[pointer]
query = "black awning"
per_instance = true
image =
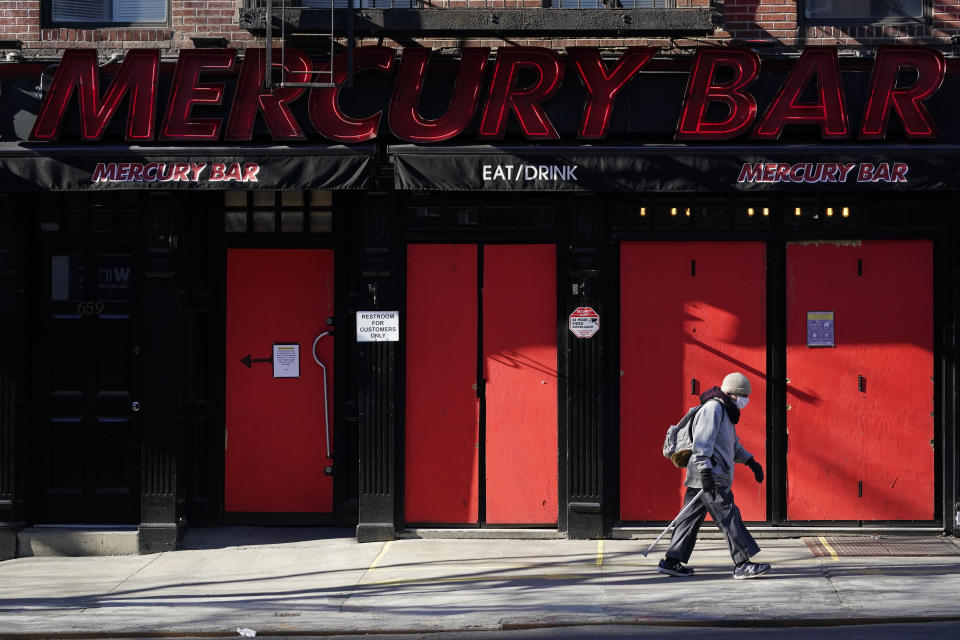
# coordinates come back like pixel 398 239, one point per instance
pixel 675 168
pixel 33 167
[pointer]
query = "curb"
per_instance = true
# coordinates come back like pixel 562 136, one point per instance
pixel 727 623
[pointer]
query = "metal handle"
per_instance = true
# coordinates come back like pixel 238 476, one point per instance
pixel 326 405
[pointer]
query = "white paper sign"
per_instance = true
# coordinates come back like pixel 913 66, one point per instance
pixel 378 326
pixel 286 361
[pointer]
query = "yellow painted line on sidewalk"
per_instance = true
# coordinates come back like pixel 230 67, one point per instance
pixel 826 545
pixel 599 553
pixel 383 552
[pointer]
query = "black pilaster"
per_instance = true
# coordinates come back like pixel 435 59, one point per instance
pixel 950 268
pixel 582 376
pixel 346 480
pixel 375 288
pixel 200 268
pixel 776 462
pixel 377 435
pixel 159 381
pixel 11 499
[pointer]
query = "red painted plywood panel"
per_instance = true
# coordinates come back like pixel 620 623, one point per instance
pixel 276 438
pixel 881 293
pixel 520 366
pixel 689 311
pixel 442 427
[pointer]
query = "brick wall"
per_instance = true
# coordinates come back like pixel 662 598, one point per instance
pixel 774 22
pixel 21 19
pixel 778 20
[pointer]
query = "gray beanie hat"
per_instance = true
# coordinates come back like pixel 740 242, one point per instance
pixel 737 384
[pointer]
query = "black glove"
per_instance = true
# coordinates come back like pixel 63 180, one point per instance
pixel 706 479
pixel 756 468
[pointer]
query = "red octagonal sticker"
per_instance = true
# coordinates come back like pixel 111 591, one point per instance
pixel 584 322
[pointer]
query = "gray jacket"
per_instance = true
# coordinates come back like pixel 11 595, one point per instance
pixel 715 446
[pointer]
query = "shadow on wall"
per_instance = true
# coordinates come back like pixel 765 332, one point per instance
pixel 516 360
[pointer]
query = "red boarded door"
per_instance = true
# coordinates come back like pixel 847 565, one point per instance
pixel 276 440
pixel 481 448
pixel 520 367
pixel 442 409
pixel 859 416
pixel 691 312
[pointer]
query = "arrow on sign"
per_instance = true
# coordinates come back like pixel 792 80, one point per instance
pixel 249 360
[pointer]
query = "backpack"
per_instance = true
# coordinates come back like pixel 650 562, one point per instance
pixel 678 445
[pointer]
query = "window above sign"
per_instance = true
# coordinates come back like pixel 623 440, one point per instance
pixel 278 211
pixel 107 12
pixel 865 11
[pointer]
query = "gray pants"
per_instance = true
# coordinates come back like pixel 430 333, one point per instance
pixel 727 516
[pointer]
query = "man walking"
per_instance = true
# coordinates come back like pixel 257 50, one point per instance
pixel 715 449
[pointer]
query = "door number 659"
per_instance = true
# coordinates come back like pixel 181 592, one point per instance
pixel 90 308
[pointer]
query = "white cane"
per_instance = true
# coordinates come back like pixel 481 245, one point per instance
pixel 679 515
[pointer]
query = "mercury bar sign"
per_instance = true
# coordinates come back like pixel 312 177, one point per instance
pixel 518 82
pixel 818 172
pixel 175 172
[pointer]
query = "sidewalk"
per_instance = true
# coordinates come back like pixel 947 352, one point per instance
pixel 311 580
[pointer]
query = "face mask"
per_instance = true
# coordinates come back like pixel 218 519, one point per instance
pixel 741 402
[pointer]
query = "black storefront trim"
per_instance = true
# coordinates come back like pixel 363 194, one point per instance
pixel 40 167
pixel 674 168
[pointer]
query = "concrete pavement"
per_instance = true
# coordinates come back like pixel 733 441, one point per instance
pixel 283 581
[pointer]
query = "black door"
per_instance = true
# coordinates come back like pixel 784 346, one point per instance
pixel 88 436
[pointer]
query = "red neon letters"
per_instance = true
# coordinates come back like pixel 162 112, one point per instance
pixel 525 102
pixel 325 113
pixel 405 120
pixel 908 102
pixel 829 110
pixel 718 104
pixel 702 91
pixel 78 68
pixel 602 87
pixel 251 96
pixel 188 91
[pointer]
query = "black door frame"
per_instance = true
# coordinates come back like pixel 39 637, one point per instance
pixel 482 522
pixel 50 240
pixel 479 234
pixel 343 418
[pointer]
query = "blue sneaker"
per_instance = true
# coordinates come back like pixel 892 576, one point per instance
pixel 750 570
pixel 671 567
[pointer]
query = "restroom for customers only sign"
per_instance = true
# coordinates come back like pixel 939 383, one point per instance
pixel 378 326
